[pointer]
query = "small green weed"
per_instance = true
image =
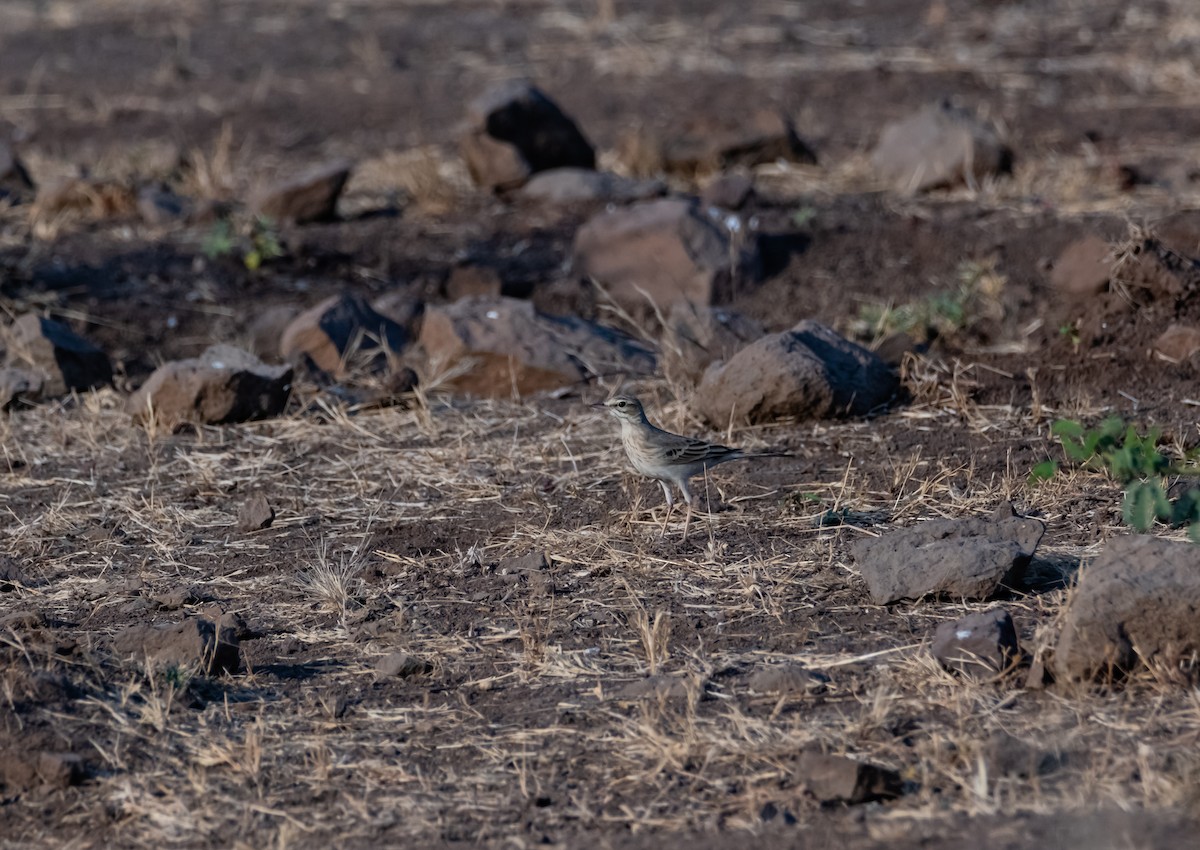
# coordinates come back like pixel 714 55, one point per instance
pixel 1134 461
pixel 942 313
pixel 258 245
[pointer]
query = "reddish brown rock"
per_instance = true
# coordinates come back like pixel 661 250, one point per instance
pixel 1178 343
pixel 513 348
pixel 222 385
pixel 310 197
pixel 738 141
pixel 696 336
pixel 662 252
pixel 515 130
pixel 194 643
pixel 938 146
pixel 1084 267
pixel 255 513
pixel 341 333
pixel 63 360
pixel 809 372
pixel 1134 604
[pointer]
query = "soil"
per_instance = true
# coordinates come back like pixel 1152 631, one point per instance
pixel 394 526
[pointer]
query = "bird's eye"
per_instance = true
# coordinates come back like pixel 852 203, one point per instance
pixel 620 404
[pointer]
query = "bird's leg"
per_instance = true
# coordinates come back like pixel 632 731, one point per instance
pixel 687 497
pixel 670 505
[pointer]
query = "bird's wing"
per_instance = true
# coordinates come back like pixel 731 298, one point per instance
pixel 689 450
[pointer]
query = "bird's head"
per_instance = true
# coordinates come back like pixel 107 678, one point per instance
pixel 623 407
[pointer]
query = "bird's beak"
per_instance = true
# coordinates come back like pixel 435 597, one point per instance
pixel 598 406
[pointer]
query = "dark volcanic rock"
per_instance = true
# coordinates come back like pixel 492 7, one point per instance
pixel 255 513
pixel 696 336
pixel 741 141
pixel 980 644
pixel 336 334
pixel 193 643
pixel 577 185
pixel 839 779
pixel 64 360
pixel 940 145
pixel 309 197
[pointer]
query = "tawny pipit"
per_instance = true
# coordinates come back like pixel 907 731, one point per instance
pixel 668 458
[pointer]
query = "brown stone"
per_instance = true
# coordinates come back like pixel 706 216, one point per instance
pixel 662 252
pixel 401 665
pixel 310 197
pixel 255 513
pixel 339 332
pixel 471 280
pixel 64 360
pixel 839 779
pixel 808 372
pixel 696 336
pixel 1136 603
pixel 581 185
pixel 730 190
pixel 15 183
pixel 792 679
pixel 194 643
pixel 515 130
pixel 939 146
pixel 1083 268
pixel 981 644
pixel 511 347
pixel 267 326
pixel 736 141
pixel 222 385
pixel 18 387
pixel 1178 343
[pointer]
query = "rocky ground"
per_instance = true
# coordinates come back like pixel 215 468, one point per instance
pixel 311 538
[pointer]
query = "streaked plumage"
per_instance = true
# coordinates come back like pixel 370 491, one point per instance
pixel 668 458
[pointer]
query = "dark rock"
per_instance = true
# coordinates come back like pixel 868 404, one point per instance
pixel 1136 603
pixel 578 185
pixel 981 644
pixel 222 385
pixel 514 348
pixel 729 191
pixel 266 329
pixel 15 184
pixel 24 770
pixel 1083 268
pixel 838 779
pixel 401 665
pixel 65 361
pixel 788 679
pixel 180 597
pixel 515 130
pixel 940 145
pixel 159 207
pixel 958 558
pixel 1178 343
pixel 255 513
pixel 341 332
pixel 193 643
pixel 696 336
pixel 660 687
pixel 19 387
pixel 11 575
pixel 469 281
pixel 808 372
pixel 310 197
pixel 662 252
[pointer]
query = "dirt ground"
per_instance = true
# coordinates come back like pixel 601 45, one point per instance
pixel 525 716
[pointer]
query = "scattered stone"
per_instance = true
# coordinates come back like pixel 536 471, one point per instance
pixel 969 558
pixel 578 185
pixel 222 385
pixel 981 644
pixel 1083 268
pixel 839 779
pixel 697 335
pixel 310 197
pixel 1136 603
pixel 1178 343
pixel 532 562
pixel 745 141
pixel 788 679
pixel 401 665
pixel 514 131
pixel 809 372
pixel 15 184
pixel 939 146
pixel 514 348
pixel 468 281
pixel 229 620
pixel 159 206
pixel 193 643
pixel 180 597
pixel 266 329
pixel 403 308
pixel 1006 755
pixel 729 191
pixel 660 687
pixel 893 347
pixel 255 514
pixel 339 333
pixel 79 196
pixel 23 770
pixel 65 361
pixel 663 251
pixel 12 576
pixel 19 387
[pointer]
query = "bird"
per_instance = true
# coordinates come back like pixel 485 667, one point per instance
pixel 667 458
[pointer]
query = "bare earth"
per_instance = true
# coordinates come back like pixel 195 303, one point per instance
pixel 524 717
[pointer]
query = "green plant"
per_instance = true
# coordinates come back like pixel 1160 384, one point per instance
pixel 1134 461
pixel 260 244
pixel 941 313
